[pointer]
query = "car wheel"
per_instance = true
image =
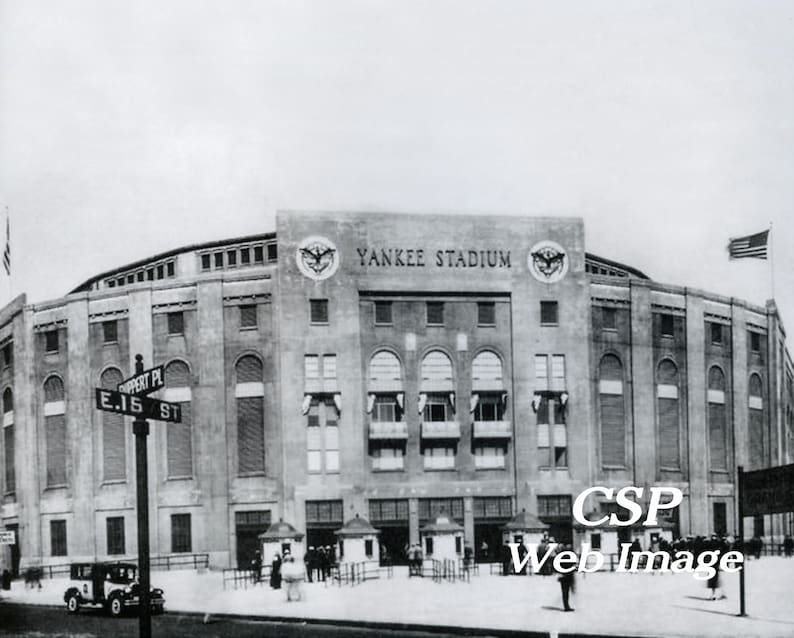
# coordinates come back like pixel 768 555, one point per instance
pixel 115 606
pixel 73 604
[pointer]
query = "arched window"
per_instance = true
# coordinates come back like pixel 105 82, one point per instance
pixel 436 371
pixel 486 371
pixel 114 439
pixel 612 412
pixel 385 371
pixel 718 435
pixel 667 411
pixel 249 395
pixel 385 403
pixel 55 431
pixel 8 441
pixel 179 440
pixel 755 422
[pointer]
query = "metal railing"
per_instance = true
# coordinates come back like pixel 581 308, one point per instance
pixel 360 572
pixel 450 570
pixel 158 563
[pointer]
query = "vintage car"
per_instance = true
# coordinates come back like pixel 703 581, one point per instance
pixel 113 586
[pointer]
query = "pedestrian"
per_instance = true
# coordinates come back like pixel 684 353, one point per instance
pixel 567 584
pixel 308 561
pixel 788 545
pixel 293 575
pixel 275 572
pixel 714 582
pixel 256 567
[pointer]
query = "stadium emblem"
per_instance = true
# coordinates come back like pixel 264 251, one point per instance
pixel 547 262
pixel 317 258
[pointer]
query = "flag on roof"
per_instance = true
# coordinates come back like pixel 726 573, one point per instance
pixel 7 251
pixel 749 246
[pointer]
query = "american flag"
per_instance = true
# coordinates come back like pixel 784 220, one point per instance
pixel 7 251
pixel 749 246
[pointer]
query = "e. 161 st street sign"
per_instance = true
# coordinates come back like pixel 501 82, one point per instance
pixel 138 406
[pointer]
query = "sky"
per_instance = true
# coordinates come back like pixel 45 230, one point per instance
pixel 131 128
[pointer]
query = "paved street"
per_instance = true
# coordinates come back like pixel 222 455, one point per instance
pixel 30 621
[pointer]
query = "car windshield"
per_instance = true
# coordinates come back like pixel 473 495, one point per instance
pixel 120 574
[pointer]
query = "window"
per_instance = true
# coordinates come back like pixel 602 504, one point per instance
pixel 139 276
pixel 218 260
pixel 322 437
pixel 558 368
pixel 386 457
pixel 542 371
pixel 755 341
pixel 432 508
pixel 489 408
pixel 55 432
pixel 486 313
pixel 170 268
pixel 554 506
pixel 435 313
pixel 755 423
pixel 245 256
pixel 176 323
pixel 8 355
pixel 272 252
pixel 248 317
pixel 489 457
pixel 231 258
pixel 492 507
pixel 720 518
pixel 439 457
pixel 150 271
pixel 612 412
pixel 548 313
pixel 717 420
pixel 51 341
pixel 259 255
pixel 383 313
pixel 114 439
pixel 249 393
pixel 311 366
pixel 667 414
pixel 329 366
pixel 180 534
pixel 388 509
pixel 8 441
pixel 318 310
pixel 552 433
pixel 324 512
pixel 428 545
pixel 179 439
pixel 716 333
pixel 130 279
pixel 110 332
pixel 609 318
pixel 385 409
pixel 58 538
pixel 436 408
pixel 667 325
pixel 160 273
pixel 114 528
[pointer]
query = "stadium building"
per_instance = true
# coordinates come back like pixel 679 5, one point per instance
pixel 391 366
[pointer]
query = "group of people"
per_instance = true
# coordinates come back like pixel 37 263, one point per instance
pixel 318 562
pixel 416 558
pixel 290 572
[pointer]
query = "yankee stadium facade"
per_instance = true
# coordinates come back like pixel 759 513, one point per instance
pixel 390 366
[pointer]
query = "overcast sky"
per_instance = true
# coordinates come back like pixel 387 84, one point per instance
pixel 129 128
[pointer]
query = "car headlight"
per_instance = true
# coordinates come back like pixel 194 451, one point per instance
pixel 128 590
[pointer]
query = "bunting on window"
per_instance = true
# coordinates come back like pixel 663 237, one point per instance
pixel 536 401
pixel 452 401
pixel 475 399
pixel 401 400
pixel 504 399
pixel 307 403
pixel 370 403
pixel 563 402
pixel 338 402
pixel 422 402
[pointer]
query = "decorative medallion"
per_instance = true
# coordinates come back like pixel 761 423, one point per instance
pixel 317 258
pixel 547 261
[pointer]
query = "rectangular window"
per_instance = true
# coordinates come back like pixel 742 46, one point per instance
pixel 322 438
pixel 8 355
pixel 318 310
pixel 383 313
pixel 436 408
pixel 329 366
pixel 492 507
pixel 558 367
pixel 385 409
pixel 388 457
pixel 431 508
pixel 548 313
pixel 114 526
pixel 435 313
pixel 181 540
pixel 169 267
pixel 231 258
pixel 51 341
pixel 179 444
pixel 130 279
pixel 120 281
pixel 755 342
pixel 8 440
pixel 311 366
pixel 720 518
pixel 110 332
pixel 139 276
pixel 58 538
pixel 542 370
pixel 609 318
pixel 554 506
pixel 388 509
pixel 150 271
pixel 486 313
pixel 667 325
pixel 489 408
pixel 160 273
pixel 248 318
pixel 245 256
pixel 331 443
pixel 55 435
pixel 489 457
pixel 250 435
pixel 259 255
pixel 272 252
pixel 176 323
pixel 439 458
pixel 324 511
pixel 716 333
pixel 218 260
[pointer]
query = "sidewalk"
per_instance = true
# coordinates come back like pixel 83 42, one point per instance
pixel 605 603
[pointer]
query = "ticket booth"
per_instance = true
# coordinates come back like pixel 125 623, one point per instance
pixel 442 539
pixel 281 538
pixel 357 541
pixel 524 528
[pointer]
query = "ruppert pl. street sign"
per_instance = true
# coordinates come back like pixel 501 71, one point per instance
pixel 140 407
pixel 146 382
pixel 7 537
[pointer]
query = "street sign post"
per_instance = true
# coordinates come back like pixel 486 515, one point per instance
pixel 146 382
pixel 7 537
pixel 129 399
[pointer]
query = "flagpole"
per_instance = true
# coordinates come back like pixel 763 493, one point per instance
pixel 772 259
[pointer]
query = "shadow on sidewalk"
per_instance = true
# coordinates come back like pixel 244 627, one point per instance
pixel 731 613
